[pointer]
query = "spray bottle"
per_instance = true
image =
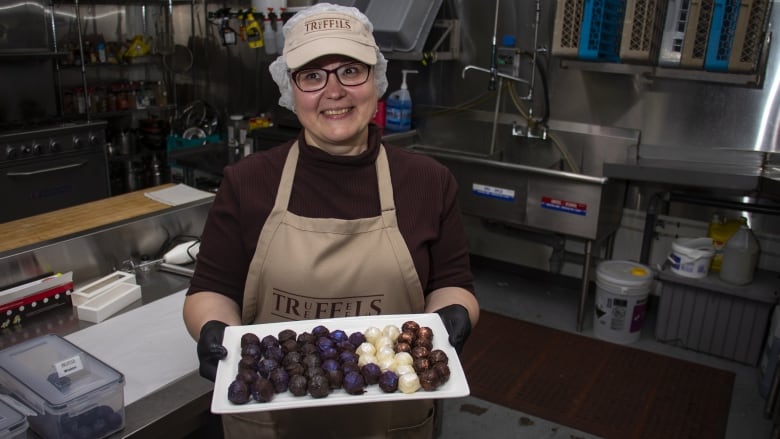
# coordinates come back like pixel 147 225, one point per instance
pixel 268 33
pixel 399 107
pixel 280 32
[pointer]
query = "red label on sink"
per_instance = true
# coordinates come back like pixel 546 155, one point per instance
pixel 565 206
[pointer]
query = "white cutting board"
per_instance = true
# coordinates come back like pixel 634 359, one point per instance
pixel 149 345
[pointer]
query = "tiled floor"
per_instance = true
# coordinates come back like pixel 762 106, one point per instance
pixel 551 304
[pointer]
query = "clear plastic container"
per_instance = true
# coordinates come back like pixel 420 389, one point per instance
pixel 12 423
pixel 74 393
pixel 740 257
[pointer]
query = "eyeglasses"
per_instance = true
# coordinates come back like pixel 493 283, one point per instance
pixel 348 75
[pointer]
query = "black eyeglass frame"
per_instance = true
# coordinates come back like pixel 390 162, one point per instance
pixel 328 72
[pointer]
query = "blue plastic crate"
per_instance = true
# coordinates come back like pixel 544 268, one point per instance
pixel 602 26
pixel 721 37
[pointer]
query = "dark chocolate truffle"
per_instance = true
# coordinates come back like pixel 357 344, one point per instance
pixel 319 387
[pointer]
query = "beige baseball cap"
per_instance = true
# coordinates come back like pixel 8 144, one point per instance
pixel 329 33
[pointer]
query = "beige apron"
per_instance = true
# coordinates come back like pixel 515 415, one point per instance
pixel 313 268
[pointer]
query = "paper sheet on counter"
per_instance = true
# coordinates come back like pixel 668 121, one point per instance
pixel 149 345
pixel 179 194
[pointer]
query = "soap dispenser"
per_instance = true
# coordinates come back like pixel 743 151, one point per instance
pixel 398 116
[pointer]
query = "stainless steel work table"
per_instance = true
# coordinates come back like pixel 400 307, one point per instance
pixel 175 410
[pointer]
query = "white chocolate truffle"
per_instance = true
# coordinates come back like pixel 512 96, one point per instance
pixel 386 364
pixel 403 369
pixel 384 341
pixel 385 352
pixel 404 358
pixel 408 383
pixel 372 334
pixel 366 359
pixel 365 348
pixel 391 331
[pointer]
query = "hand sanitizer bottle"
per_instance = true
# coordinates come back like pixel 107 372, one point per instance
pixel 398 116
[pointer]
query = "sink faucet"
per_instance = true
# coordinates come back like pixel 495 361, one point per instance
pixel 493 73
pixel 534 130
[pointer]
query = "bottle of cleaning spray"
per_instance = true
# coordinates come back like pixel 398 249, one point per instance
pixel 269 35
pixel 280 32
pixel 398 115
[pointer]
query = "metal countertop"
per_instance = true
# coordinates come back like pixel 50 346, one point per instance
pixel 175 410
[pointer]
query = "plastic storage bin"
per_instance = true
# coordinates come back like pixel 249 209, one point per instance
pixel 74 393
pixel 724 23
pixel 602 26
pixel 697 29
pixel 711 316
pixel 643 28
pixel 749 36
pixel 12 423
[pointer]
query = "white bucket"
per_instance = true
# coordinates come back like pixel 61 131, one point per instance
pixel 691 257
pixel 622 288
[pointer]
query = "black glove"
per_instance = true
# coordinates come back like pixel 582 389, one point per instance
pixel 456 321
pixel 210 349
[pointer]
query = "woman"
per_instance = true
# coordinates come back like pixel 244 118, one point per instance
pixel 333 224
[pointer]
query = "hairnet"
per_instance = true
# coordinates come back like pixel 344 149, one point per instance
pixel 280 71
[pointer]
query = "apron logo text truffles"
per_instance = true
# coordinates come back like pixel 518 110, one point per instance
pixel 296 307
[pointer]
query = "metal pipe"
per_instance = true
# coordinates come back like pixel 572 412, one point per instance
pixel 530 96
pixel 494 53
pixel 496 110
pixel 584 285
pixel 648 233
pixel 83 60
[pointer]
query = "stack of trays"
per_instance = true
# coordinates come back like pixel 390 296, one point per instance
pixel 712 35
pixel 589 30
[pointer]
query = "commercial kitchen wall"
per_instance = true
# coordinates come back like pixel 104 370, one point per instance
pixel 676 117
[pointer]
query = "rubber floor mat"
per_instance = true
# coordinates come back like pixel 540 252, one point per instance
pixel 601 388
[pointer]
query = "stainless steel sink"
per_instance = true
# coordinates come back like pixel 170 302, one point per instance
pixel 554 185
pixel 529 182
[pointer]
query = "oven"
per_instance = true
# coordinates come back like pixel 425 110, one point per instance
pixel 45 168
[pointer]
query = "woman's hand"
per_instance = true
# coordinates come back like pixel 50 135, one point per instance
pixel 210 349
pixel 459 310
pixel 456 321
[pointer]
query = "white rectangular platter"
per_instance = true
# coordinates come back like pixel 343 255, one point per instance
pixel 455 387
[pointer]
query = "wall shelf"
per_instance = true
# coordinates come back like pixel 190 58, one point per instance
pixel 21 55
pixel 651 72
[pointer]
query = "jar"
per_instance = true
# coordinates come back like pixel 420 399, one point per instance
pixel 740 257
pixel 122 101
pixel 81 100
pixel 68 103
pixel 234 129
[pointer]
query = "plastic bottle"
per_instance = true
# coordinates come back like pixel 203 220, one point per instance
pixel 279 37
pixel 508 57
pixel 234 129
pixel 740 257
pixel 720 231
pixel 398 115
pixel 269 35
